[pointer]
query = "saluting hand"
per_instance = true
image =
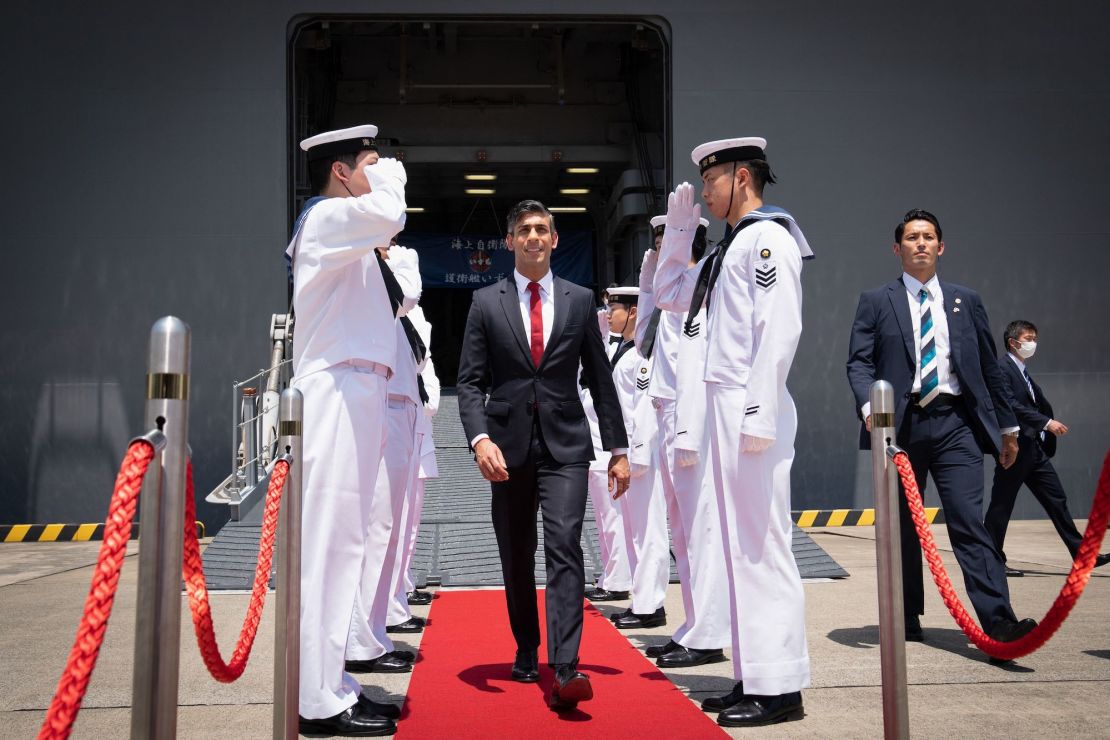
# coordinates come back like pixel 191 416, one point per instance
pixel 490 461
pixel 619 475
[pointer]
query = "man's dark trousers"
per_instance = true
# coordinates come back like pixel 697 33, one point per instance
pixel 1034 469
pixel 939 441
pixel 559 490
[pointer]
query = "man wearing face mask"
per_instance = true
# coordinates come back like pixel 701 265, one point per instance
pixel 1036 446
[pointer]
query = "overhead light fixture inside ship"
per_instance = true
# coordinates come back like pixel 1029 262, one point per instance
pixel 574 191
pixel 567 209
pixel 414 209
pixel 480 191
pixel 480 177
pixel 582 170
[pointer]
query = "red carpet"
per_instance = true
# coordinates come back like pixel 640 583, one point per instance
pixel 461 687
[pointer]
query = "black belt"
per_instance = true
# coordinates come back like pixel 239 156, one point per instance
pixel 941 400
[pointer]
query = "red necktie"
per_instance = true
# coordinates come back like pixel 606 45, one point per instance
pixel 536 310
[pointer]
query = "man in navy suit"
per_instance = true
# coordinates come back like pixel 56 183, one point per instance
pixel 1036 446
pixel 525 339
pixel 931 340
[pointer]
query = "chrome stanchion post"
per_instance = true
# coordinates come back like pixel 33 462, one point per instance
pixel 892 626
pixel 287 616
pixel 161 533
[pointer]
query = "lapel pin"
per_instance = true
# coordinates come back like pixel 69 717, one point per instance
pixel 956 310
pixel 957 300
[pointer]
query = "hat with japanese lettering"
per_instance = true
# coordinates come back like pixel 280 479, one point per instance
pixel 626 294
pixel 341 141
pixel 728 150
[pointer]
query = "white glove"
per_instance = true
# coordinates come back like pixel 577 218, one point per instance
pixel 685 458
pixel 683 214
pixel 638 469
pixel 603 324
pixel 647 270
pixel 749 443
pixel 384 170
pixel 406 255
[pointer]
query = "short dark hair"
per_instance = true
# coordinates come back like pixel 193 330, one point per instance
pixel 917 214
pixel 761 173
pixel 319 171
pixel 1015 329
pixel 528 206
pixel 697 250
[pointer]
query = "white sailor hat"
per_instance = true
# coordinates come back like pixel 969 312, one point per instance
pixel 659 222
pixel 728 150
pixel 341 141
pixel 623 294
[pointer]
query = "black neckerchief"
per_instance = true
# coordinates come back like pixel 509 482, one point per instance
pixel 710 271
pixel 648 343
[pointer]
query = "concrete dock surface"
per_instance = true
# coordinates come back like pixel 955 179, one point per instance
pixel 1059 691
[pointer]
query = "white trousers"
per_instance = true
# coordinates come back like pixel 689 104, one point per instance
pixel 411 512
pixel 644 514
pixel 696 538
pixel 616 575
pixel 769 651
pixel 344 419
pixel 367 638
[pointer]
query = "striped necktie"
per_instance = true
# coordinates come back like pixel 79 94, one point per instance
pixel 930 382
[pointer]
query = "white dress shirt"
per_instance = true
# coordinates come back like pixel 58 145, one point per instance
pixel 946 379
pixel 1028 383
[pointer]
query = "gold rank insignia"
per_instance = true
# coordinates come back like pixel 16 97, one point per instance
pixel 643 369
pixel 765 253
pixel 366 142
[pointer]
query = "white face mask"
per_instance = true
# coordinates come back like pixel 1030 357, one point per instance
pixel 1026 349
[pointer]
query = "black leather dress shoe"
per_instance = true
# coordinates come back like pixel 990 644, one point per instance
pixel 754 711
pixel 914 633
pixel 351 722
pixel 389 711
pixel 1007 630
pixel 526 667
pixel 601 594
pixel 388 663
pixel 617 615
pixel 419 598
pixel 642 621
pixel 412 624
pixel 721 703
pixel 570 687
pixel 1014 572
pixel 406 655
pixel 658 651
pixel 685 657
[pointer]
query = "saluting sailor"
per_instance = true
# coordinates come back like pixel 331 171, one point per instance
pixel 677 397
pixel 369 648
pixel 752 285
pixel 643 510
pixel 342 360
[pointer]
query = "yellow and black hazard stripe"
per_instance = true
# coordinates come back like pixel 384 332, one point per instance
pixel 64 532
pixel 851 517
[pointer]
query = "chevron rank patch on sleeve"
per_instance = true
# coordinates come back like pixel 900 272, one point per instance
pixel 691 330
pixel 765 274
pixel 643 380
pixel 751 411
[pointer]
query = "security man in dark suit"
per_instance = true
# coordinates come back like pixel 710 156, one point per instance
pixel 1036 447
pixel 931 340
pixel 525 339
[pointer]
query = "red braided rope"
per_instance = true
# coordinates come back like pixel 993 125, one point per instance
pixel 1061 607
pixel 193 572
pixel 102 592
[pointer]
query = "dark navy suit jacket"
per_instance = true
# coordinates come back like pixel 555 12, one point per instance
pixel 1032 415
pixel 496 359
pixel 882 348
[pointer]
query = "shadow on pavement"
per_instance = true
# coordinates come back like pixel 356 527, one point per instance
pixel 950 640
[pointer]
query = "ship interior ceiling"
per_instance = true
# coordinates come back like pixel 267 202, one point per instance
pixel 485 114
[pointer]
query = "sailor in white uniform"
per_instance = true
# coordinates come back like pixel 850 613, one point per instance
pixel 752 285
pixel 615 580
pixel 342 357
pixel 369 647
pixel 677 396
pixel 404 587
pixel 643 510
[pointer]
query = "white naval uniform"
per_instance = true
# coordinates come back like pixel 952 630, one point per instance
pixel 643 509
pixel 754 325
pixel 342 354
pixel 411 512
pixel 677 395
pixel 368 638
